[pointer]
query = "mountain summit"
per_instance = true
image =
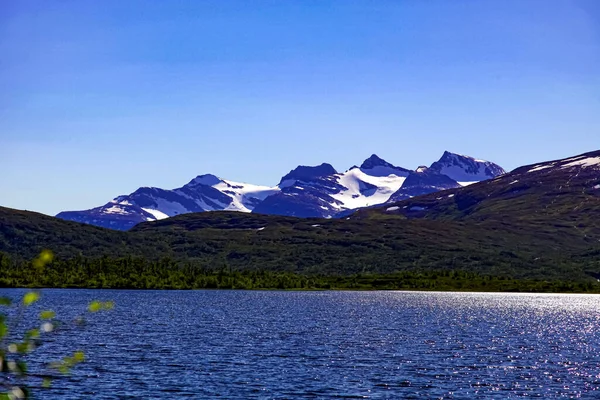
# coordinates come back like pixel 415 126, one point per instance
pixel 450 171
pixel 306 173
pixel 465 169
pixel 306 191
pixel 376 166
pixel 376 161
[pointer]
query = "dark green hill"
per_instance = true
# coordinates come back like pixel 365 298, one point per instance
pixel 25 234
pixel 539 224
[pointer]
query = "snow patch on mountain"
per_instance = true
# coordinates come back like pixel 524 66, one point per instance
pixel 244 196
pixel 540 167
pixel 172 208
pixel 235 196
pixel 584 162
pixel 156 214
pixel 367 187
pixel 115 209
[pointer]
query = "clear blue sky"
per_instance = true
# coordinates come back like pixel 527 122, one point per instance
pixel 98 98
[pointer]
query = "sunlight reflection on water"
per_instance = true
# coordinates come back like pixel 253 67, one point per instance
pixel 260 344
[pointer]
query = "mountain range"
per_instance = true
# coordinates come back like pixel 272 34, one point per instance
pixel 306 191
pixel 538 221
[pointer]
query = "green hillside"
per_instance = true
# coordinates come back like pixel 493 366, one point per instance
pixel 541 224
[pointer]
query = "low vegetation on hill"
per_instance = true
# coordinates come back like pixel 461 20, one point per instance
pixel 536 223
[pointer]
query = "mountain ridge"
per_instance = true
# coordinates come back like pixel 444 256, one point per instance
pixel 306 191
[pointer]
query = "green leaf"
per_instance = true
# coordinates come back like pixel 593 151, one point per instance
pixel 32 334
pixel 79 356
pixel 95 306
pixel 25 347
pixel 3 329
pixel 31 298
pixel 5 301
pixel 48 314
pixel 68 362
pixel 46 383
pixel 44 258
pixel 22 366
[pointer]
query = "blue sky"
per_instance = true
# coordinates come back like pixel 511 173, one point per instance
pixel 98 98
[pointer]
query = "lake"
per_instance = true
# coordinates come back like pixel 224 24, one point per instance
pixel 281 345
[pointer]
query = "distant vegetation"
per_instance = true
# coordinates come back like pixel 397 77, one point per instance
pixel 374 243
pixel 138 273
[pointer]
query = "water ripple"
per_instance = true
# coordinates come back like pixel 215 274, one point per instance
pixel 342 345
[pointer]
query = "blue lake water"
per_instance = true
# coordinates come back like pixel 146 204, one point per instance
pixel 281 345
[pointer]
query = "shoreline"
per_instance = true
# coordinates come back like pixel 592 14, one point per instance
pixel 301 290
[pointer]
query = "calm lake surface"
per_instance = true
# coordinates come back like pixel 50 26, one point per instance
pixel 255 344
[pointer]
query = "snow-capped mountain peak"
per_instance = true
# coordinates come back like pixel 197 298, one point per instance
pixel 320 191
pixel 306 191
pixel 450 171
pixel 464 169
pixel 206 179
pixel 376 166
pixel 203 193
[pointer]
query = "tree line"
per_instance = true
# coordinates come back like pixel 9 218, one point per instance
pixel 142 273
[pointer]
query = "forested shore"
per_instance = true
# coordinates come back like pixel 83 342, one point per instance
pixel 140 273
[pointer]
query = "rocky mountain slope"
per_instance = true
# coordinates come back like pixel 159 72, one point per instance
pixel 306 191
pixel 558 201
